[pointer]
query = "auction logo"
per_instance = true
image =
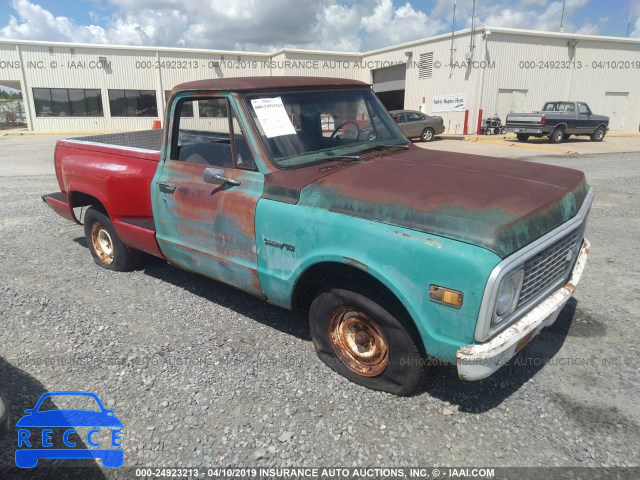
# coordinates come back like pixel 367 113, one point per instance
pixel 39 430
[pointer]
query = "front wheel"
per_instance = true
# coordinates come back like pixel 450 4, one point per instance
pixel 427 135
pixel 598 135
pixel 367 341
pixel 106 248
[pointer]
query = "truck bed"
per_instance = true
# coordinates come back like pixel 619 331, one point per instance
pixel 150 140
pixel 115 171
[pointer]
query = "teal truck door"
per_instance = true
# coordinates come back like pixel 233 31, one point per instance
pixel 205 193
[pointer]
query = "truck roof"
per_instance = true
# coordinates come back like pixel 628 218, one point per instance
pixel 242 84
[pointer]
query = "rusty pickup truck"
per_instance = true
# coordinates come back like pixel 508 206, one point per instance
pixel 399 254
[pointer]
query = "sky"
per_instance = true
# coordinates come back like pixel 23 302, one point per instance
pixel 266 25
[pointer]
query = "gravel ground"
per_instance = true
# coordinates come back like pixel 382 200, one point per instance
pixel 202 374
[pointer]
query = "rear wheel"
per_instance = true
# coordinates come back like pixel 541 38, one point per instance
pixel 427 135
pixel 522 137
pixel 370 342
pixel 557 136
pixel 598 135
pixel 107 249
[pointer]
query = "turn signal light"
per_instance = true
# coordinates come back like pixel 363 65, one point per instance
pixel 445 295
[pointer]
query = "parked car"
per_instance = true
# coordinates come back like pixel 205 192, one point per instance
pixel 559 120
pixel 397 253
pixel 417 124
pixel 4 417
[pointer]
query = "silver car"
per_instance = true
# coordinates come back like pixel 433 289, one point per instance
pixel 417 124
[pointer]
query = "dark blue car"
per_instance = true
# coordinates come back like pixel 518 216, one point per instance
pixel 28 453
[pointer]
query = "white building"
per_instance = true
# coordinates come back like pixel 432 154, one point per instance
pixel 461 76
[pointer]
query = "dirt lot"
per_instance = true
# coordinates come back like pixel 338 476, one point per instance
pixel 203 375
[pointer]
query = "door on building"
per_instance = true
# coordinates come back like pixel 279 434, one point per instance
pixel 615 107
pixel 389 86
pixel 509 101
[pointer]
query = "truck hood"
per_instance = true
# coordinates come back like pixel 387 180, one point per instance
pixel 498 204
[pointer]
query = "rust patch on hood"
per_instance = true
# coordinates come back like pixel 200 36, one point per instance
pixel 499 204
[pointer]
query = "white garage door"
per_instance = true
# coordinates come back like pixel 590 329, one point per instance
pixel 615 107
pixel 510 101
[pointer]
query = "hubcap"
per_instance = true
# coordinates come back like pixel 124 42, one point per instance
pixel 427 135
pixel 358 341
pixel 102 244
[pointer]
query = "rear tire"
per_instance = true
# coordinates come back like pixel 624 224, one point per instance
pixel 598 135
pixel 557 136
pixel 106 248
pixel 427 135
pixel 522 137
pixel 370 342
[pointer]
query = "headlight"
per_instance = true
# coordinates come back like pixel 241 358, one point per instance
pixel 508 295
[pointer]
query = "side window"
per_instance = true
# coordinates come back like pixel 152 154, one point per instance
pixel 413 117
pixel 210 137
pixel 187 107
pixel 584 109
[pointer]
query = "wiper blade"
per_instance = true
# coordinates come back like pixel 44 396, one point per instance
pixel 346 158
pixel 403 146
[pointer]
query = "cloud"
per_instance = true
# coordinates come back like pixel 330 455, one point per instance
pixel 636 29
pixel 35 23
pixel 388 25
pixel 344 25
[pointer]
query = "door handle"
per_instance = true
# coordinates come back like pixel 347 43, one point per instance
pixel 227 180
pixel 216 176
pixel 167 187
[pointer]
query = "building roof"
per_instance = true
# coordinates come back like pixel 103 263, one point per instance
pixel 240 84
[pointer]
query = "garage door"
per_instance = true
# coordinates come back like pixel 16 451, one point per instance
pixel 389 85
pixel 509 101
pixel 615 107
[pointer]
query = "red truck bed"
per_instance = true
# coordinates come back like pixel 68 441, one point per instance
pixel 126 163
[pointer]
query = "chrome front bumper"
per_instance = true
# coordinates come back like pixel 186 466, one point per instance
pixel 478 361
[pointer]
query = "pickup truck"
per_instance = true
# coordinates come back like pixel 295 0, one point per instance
pixel 399 255
pixel 559 120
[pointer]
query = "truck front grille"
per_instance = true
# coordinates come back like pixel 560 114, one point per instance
pixel 549 267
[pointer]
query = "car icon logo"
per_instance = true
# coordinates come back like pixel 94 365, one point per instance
pixel 100 428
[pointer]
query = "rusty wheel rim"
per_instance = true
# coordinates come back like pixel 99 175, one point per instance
pixel 102 243
pixel 358 341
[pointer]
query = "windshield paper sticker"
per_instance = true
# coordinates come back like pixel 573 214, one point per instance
pixel 273 117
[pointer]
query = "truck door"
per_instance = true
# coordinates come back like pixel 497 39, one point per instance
pixel 205 193
pixel 585 123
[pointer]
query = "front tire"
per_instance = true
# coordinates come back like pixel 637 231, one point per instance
pixel 106 248
pixel 598 135
pixel 427 135
pixel 370 342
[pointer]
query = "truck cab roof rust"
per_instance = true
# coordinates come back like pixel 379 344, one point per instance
pixel 247 84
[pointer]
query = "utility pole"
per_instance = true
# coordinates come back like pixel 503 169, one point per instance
pixel 562 16
pixel 453 29
pixel 629 22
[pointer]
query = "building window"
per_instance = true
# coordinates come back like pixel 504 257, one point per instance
pixel 187 107
pixel 425 65
pixel 133 103
pixel 67 102
pixel 212 108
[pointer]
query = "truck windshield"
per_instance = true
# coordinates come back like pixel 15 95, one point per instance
pixel 305 127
